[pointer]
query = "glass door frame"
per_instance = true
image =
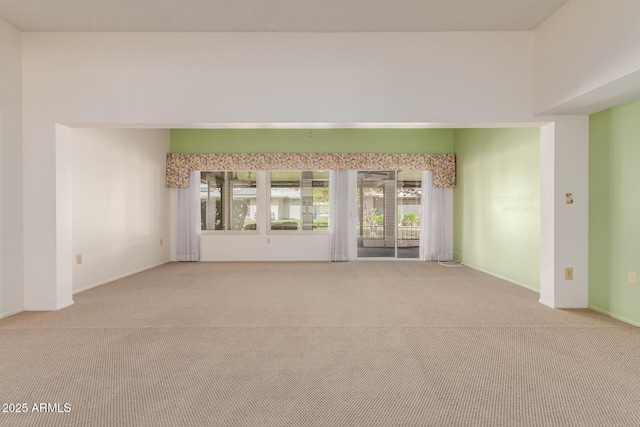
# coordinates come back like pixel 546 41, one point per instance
pixel 389 220
pixel 361 214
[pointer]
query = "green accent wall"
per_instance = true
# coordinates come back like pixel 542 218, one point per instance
pixel 497 202
pixel 311 141
pixel 614 211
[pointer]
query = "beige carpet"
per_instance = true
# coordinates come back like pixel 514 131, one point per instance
pixel 318 344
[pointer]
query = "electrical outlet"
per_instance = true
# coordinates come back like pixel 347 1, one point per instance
pixel 568 273
pixel 632 278
pixel 268 239
pixel 78 259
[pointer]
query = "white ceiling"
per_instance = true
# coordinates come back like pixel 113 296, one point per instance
pixel 277 15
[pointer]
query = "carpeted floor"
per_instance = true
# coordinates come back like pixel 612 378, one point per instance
pixel 317 344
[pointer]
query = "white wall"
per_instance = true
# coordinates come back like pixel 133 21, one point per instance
pixel 266 247
pixel 168 79
pixel 564 228
pixel 196 79
pixel 120 203
pixel 587 57
pixel 192 78
pixel 11 255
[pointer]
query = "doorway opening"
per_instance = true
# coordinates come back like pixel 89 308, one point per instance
pixel 388 219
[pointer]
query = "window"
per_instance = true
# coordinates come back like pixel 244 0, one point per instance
pixel 299 200
pixel 228 200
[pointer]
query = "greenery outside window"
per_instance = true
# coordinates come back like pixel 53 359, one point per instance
pixel 228 200
pixel 299 200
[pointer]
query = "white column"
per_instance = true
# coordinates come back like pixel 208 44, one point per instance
pixel 564 227
pixel 48 224
pixel 263 219
pixel 11 169
pixel 64 220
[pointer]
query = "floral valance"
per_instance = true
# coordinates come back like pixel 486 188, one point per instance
pixel 179 165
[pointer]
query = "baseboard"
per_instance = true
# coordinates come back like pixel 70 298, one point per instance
pixel 615 316
pixel 524 285
pixel 11 312
pixel 50 308
pixel 545 302
pixel 65 305
pixel 121 276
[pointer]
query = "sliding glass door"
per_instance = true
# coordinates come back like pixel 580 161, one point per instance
pixel 388 221
pixel 409 197
pixel 376 212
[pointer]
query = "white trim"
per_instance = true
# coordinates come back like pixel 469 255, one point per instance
pixel 11 312
pixel 121 276
pixel 45 308
pixel 560 307
pixel 515 282
pixel 65 305
pixel 297 232
pixel 311 125
pixel 545 302
pixel 229 232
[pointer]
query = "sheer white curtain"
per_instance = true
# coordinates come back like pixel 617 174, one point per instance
pixel 436 221
pixel 188 237
pixel 342 186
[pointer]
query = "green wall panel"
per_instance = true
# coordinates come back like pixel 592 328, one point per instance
pixel 614 206
pixel 312 141
pixel 497 202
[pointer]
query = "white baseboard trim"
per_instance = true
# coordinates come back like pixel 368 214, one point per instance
pixel 11 312
pixel 65 305
pixel 524 285
pixel 615 316
pixel 545 302
pixel 121 276
pixel 50 308
pixel 568 307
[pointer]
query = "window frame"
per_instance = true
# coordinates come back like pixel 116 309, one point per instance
pixel 268 204
pixel 227 203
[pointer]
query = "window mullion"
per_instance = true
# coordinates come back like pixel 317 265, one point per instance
pixel 227 200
